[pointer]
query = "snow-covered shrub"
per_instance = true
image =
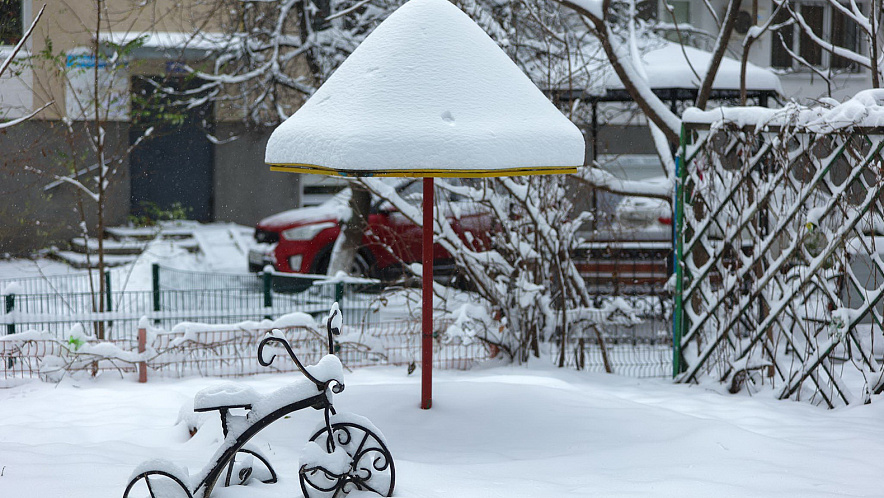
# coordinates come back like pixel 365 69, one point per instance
pixel 523 275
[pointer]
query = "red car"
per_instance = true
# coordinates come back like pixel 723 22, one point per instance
pixel 301 240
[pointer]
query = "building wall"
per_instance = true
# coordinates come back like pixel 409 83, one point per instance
pixel 245 189
pixel 34 216
pixel 16 96
pixel 37 210
pixel 72 24
pixel 619 139
pixel 801 84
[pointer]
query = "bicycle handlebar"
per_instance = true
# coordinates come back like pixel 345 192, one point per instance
pixel 332 331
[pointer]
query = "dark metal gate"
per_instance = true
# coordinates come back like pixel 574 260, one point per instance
pixel 172 167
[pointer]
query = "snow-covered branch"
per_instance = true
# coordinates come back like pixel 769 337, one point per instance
pixel 620 59
pixel 598 178
pixel 76 183
pixel 24 118
pixel 829 45
pixel 721 42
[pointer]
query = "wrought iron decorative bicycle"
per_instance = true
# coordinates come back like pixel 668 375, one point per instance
pixel 346 453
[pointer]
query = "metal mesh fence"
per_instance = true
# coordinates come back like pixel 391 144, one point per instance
pixel 640 349
pixel 230 352
pixel 177 295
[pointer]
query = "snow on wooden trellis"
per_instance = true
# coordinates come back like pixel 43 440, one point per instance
pixel 780 278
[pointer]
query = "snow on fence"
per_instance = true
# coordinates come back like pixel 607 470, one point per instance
pixel 40 314
pixel 780 216
pixel 56 303
pixel 230 351
pixel 225 350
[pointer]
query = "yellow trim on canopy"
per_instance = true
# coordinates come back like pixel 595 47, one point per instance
pixel 423 173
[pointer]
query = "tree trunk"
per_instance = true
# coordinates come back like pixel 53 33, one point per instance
pixel 99 153
pixel 875 18
pixel 347 245
pixel 744 61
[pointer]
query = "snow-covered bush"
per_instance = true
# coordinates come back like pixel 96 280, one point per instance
pixel 523 276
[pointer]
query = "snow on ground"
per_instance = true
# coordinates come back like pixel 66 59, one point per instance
pixel 503 431
pixel 26 268
pixel 223 248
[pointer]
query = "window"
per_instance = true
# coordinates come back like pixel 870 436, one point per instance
pixel 827 23
pixel 807 49
pixel 10 22
pixel 779 57
pixel 844 34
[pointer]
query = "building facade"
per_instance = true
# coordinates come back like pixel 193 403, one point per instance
pixel 806 71
pixel 203 162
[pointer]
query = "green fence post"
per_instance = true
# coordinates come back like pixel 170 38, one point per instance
pixel 339 296
pixel 677 230
pixel 107 293
pixel 10 306
pixel 155 281
pixel 268 292
pixel 10 327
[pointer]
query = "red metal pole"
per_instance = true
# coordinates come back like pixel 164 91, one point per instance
pixel 427 301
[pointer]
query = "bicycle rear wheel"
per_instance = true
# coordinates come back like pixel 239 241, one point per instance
pixel 370 463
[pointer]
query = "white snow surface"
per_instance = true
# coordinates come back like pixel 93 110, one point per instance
pixel 313 455
pixel 530 431
pixel 294 319
pixel 169 40
pixel 428 89
pixel 334 209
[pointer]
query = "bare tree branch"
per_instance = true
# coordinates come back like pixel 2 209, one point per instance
pixel 641 93
pixel 721 42
pixel 21 42
pixel 22 119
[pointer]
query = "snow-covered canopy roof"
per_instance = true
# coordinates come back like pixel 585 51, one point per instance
pixel 428 93
pixel 670 66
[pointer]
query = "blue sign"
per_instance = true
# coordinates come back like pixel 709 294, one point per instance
pixel 85 61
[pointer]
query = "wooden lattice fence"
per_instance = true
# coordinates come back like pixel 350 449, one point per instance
pixel 780 279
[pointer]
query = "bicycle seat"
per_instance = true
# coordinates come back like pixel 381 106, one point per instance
pixel 225 397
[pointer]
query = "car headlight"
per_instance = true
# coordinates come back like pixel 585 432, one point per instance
pixel 306 232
